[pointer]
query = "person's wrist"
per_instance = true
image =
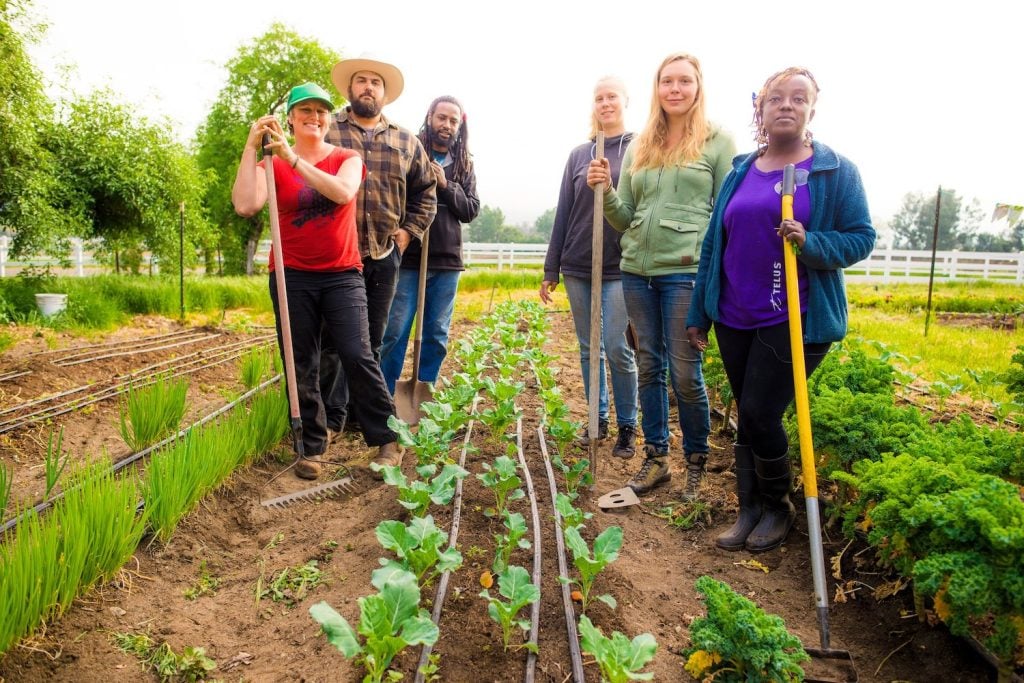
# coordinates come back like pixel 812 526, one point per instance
pixel 296 161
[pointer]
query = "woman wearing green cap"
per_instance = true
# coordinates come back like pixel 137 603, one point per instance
pixel 316 185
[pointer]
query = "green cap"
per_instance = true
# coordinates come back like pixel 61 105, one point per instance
pixel 308 91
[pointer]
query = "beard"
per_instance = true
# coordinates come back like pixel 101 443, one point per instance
pixel 363 108
pixel 437 140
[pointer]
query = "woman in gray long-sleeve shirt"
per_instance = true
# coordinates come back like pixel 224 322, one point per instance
pixel 570 253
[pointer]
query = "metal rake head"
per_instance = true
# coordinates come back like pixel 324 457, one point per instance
pixel 331 488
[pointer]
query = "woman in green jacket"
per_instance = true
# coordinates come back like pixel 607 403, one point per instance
pixel 667 187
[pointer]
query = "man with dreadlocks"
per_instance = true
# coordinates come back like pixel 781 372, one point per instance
pixel 395 203
pixel 445 136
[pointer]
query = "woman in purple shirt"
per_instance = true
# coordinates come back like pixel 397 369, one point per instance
pixel 740 287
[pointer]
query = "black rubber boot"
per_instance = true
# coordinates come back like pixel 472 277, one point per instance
pixel 750 501
pixel 774 479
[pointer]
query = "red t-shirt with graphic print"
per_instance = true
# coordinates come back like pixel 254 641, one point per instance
pixel 316 233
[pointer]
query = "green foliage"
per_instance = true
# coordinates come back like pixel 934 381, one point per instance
pixel 509 540
pixel 575 472
pixel 913 226
pixel 489 226
pixel 56 461
pixel 606 551
pixel 1014 376
pixel 417 495
pixel 256 364
pixel 431 441
pixel 389 621
pixel 205 584
pixel 190 666
pixel 291 584
pixel 505 412
pixel 571 516
pixel 260 75
pixel 6 480
pixel 502 480
pixel 515 586
pixel 737 641
pixel 152 412
pixel 619 658
pixel 420 548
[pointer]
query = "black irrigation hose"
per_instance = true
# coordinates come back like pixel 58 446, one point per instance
pixel 41 507
pixel 119 388
pixel 575 654
pixel 442 584
pixel 531 657
pixel 76 359
pixel 115 381
pixel 112 344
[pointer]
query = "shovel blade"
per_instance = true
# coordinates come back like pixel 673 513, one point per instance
pixel 829 666
pixel 409 396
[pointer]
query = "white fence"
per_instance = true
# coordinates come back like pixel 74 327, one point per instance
pixel 883 265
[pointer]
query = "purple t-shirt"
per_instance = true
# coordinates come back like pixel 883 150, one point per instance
pixel 753 273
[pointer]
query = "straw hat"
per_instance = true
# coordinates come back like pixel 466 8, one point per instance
pixel 343 71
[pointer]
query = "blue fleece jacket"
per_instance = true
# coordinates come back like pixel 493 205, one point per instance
pixel 839 234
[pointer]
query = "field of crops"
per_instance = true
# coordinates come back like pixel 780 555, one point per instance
pixel 485 557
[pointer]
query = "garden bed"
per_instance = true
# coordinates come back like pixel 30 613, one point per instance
pixel 244 545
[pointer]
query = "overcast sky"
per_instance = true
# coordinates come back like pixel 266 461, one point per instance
pixel 917 94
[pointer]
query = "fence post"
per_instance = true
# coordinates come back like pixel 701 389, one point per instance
pixel 3 255
pixel 1020 266
pixel 79 257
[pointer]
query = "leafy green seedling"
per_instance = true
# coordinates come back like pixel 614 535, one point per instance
pixel 606 550
pixel 389 621
pixel 619 658
pixel 572 516
pixel 418 494
pixel 564 432
pixel 515 586
pixel 738 641
pixel 502 480
pixel 419 548
pixel 509 540
pixel 576 474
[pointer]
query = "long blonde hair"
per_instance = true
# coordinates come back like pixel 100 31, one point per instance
pixel 650 145
pixel 616 84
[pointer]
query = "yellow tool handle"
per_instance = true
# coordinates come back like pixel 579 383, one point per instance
pixel 796 343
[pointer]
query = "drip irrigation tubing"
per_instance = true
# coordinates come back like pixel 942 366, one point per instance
pixel 225 354
pixel 531 656
pixel 45 505
pixel 575 654
pixel 76 359
pixel 112 344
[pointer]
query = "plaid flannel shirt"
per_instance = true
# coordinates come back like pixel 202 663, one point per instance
pixel 399 191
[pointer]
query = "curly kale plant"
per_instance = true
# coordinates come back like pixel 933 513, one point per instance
pixel 737 641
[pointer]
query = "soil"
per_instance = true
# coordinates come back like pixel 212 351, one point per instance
pixel 243 544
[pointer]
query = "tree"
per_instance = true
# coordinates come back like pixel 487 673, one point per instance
pixel 914 224
pixel 124 178
pixel 544 224
pixel 259 78
pixel 27 180
pixel 489 226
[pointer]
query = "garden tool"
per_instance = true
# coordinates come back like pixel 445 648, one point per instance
pixel 596 271
pixel 834 665
pixel 286 345
pixel 411 393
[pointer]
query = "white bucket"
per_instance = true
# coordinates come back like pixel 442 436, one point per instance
pixel 51 304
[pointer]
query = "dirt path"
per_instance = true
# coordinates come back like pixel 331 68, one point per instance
pixel 243 544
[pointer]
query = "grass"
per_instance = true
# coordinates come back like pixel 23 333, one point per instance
pixel 256 364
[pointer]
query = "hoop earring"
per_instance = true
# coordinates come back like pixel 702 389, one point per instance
pixel 808 138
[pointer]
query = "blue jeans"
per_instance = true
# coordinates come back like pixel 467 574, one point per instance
pixel 657 308
pixel 438 304
pixel 614 348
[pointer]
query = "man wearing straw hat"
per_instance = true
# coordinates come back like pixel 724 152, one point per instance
pixel 396 202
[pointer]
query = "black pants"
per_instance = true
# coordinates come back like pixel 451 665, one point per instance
pixel 335 302
pixel 380 278
pixel 759 364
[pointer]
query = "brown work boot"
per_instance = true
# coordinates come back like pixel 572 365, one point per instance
pixel 308 467
pixel 625 444
pixel 695 469
pixel 390 454
pixel 653 472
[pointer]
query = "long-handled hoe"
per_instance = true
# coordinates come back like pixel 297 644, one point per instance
pixel 836 665
pixel 345 483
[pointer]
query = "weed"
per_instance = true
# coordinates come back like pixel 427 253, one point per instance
pixel 292 584
pixel 205 584
pixel 191 665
